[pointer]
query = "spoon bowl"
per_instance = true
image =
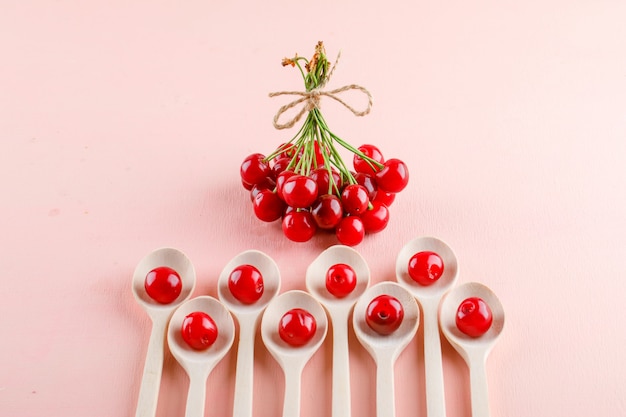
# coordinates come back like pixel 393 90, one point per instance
pixel 429 298
pixel 339 310
pixel 385 349
pixel 199 363
pixel 316 275
pixel 271 282
pixel 159 315
pixel 248 316
pixel 439 287
pixel 292 359
pixel 172 258
pixel 474 350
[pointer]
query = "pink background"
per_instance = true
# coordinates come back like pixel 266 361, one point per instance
pixel 123 124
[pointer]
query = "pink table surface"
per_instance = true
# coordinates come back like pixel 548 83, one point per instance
pixel 123 124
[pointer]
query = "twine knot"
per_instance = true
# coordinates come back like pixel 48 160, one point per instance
pixel 312 98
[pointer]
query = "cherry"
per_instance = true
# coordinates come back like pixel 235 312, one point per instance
pixel 246 185
pixel 287 150
pixel 289 209
pixel 393 177
pixel 280 182
pixel 279 166
pixel 298 226
pixel 297 327
pixel 322 178
pixel 384 197
pixel 384 314
pixel 425 267
pixel 245 282
pixel 163 284
pixel 299 191
pixel 340 280
pixel 473 317
pixel 355 199
pixel 199 330
pixel 376 218
pixel 327 211
pixel 362 165
pixel 367 181
pixel 319 153
pixel 350 231
pixel 254 169
pixel 318 158
pixel 267 184
pixel 268 206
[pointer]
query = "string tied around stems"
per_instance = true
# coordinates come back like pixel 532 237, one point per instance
pixel 311 100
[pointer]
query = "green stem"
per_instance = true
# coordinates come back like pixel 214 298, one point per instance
pixel 315 131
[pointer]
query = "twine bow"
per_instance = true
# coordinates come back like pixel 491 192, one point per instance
pixel 311 100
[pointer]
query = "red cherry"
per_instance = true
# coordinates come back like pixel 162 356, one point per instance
pixel 384 197
pixel 199 330
pixel 298 226
pixel 362 165
pixel 279 166
pixel 246 185
pixel 327 211
pixel 354 199
pixel 287 150
pixel 163 284
pixel 267 184
pixel 245 282
pixel 297 327
pixel 367 181
pixel 268 206
pixel 322 178
pixel 384 314
pixel 473 317
pixel 425 267
pixel 289 209
pixel 350 231
pixel 340 280
pixel 280 182
pixel 254 169
pixel 376 218
pixel 393 177
pixel 299 191
pixel 319 153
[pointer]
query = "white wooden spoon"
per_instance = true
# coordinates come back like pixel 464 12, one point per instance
pixel 248 317
pixel 385 349
pixel 429 298
pixel 292 359
pixel 199 363
pixel 339 310
pixel 159 315
pixel 474 350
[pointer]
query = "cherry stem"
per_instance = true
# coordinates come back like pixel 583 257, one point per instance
pixel 315 130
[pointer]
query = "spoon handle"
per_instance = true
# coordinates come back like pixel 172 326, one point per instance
pixel 293 382
pixel 244 379
pixel 341 368
pixel 433 367
pixel 153 367
pixel 478 387
pixel 385 397
pixel 196 396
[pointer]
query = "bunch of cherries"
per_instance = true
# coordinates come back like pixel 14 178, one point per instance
pixel 305 181
pixel 308 187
